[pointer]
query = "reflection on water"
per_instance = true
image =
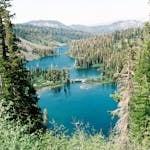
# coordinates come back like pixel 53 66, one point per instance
pixel 85 86
pixel 56 90
pixel 70 104
pixel 65 89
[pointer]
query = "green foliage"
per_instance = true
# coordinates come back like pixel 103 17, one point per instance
pixel 101 80
pixel 44 52
pixel 106 51
pixel 52 77
pixel 140 102
pixel 17 95
pixel 116 96
pixel 47 35
pixel 13 136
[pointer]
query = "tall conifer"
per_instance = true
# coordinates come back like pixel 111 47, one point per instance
pixel 18 91
pixel 140 102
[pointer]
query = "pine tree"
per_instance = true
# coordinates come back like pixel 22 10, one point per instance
pixel 125 87
pixel 140 102
pixel 18 91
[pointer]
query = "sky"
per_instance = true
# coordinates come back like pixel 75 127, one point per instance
pixel 85 12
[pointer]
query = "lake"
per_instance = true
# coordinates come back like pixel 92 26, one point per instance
pixel 63 61
pixel 78 102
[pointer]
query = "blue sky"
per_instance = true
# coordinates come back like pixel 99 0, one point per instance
pixel 86 12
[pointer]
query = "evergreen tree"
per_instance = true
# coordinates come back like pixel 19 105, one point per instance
pixel 18 91
pixel 125 88
pixel 140 102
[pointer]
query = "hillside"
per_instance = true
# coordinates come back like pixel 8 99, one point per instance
pixel 109 28
pixel 34 51
pixel 39 41
pixel 106 50
pixel 45 35
pixel 96 29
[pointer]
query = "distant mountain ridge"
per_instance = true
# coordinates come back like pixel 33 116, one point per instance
pixel 116 26
pixel 39 38
pixel 98 29
pixel 48 23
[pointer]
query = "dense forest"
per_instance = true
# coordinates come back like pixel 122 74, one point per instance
pixel 106 51
pixel 124 56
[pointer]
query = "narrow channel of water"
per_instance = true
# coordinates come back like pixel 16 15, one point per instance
pixel 63 61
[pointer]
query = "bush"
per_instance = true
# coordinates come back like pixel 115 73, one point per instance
pixel 13 136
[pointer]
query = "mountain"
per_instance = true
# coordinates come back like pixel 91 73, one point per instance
pixel 99 29
pixel 109 28
pixel 48 23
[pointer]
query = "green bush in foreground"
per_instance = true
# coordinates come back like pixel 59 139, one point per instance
pixel 13 136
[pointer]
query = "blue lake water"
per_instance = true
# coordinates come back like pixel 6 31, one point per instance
pixel 79 101
pixel 63 61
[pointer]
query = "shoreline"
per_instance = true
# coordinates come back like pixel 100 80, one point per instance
pixel 41 89
pixel 48 87
pixel 36 56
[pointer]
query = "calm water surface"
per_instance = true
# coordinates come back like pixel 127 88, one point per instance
pixel 63 61
pixel 78 102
